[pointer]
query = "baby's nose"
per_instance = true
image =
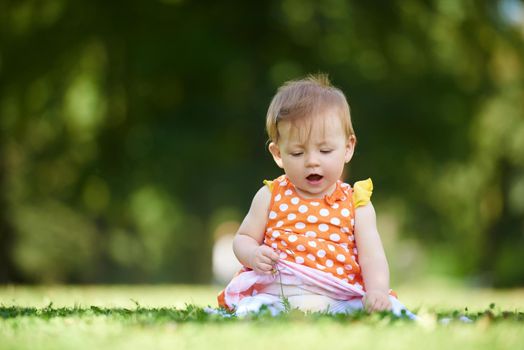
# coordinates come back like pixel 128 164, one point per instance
pixel 311 160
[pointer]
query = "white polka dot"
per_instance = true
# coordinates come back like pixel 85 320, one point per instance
pixel 331 247
pixel 351 277
pixel 294 200
pixel 312 219
pixel 280 223
pixel 345 229
pixel 334 237
pixel 344 212
pixel 321 253
pixel 289 252
pixel 348 267
pixel 302 209
pixel 358 285
pixel 283 255
pixel 272 215
pixel 275 234
pixel 301 248
pixel 299 260
pixel 312 244
pixel 288 192
pixel 352 222
pixel 355 251
pixel 341 258
pixel 311 234
pixel 291 216
pixel 335 221
pixel 335 206
pixel 283 207
pixel 329 263
pixel 274 245
pixel 351 238
pixel 311 257
pixel 278 197
pixel 323 227
pixel 324 212
pixel 340 271
pixel 283 243
pixel 300 225
pixel 345 246
pixel 320 267
pixel 315 204
pixel 283 183
pixel 292 238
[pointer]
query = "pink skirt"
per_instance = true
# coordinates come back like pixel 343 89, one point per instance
pixel 249 291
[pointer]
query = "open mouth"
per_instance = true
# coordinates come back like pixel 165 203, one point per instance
pixel 314 178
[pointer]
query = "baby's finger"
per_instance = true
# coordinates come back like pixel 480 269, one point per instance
pixel 266 268
pixel 373 305
pixel 367 304
pixel 271 255
pixel 385 305
pixel 265 260
pixel 379 305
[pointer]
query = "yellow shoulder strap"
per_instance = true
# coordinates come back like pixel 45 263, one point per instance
pixel 362 192
pixel 269 184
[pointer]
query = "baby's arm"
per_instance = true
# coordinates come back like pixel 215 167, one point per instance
pixel 247 244
pixel 372 259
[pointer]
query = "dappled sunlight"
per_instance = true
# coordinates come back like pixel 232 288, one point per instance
pixel 84 102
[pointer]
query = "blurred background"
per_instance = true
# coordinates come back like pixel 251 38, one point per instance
pixel 132 132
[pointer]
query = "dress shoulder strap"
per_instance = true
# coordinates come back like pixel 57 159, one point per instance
pixel 362 191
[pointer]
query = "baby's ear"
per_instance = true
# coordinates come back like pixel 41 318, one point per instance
pixel 350 148
pixel 275 152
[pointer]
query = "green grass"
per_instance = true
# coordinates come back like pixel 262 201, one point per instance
pixel 171 317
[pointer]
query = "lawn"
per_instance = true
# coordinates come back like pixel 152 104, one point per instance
pixel 171 317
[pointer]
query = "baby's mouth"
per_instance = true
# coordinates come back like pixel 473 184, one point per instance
pixel 314 177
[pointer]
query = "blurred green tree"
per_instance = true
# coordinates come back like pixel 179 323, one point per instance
pixel 125 125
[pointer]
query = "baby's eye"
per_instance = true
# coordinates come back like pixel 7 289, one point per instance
pixel 326 151
pixel 296 154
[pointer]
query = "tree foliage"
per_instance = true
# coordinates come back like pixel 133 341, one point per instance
pixel 125 126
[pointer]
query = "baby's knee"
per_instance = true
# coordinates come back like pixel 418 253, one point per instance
pixel 311 302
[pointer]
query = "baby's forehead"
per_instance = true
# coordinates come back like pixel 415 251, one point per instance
pixel 310 130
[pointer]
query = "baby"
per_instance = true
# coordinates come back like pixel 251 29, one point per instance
pixel 309 238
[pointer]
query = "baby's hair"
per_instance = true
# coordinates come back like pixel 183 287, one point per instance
pixel 305 98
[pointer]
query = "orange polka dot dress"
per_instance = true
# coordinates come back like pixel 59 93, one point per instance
pixel 317 233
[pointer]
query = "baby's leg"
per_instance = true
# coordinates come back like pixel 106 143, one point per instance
pixel 254 303
pixel 274 303
pixel 348 306
pixel 312 302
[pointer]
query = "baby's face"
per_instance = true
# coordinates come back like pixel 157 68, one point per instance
pixel 313 153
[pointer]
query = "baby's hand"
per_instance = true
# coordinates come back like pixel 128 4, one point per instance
pixel 376 300
pixel 263 259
